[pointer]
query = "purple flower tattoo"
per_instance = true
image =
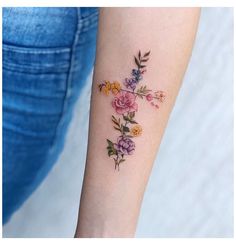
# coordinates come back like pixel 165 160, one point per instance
pixel 124 145
pixel 130 83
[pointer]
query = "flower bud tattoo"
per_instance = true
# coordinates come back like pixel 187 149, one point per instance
pixel 125 105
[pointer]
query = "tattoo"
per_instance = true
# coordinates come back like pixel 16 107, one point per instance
pixel 125 105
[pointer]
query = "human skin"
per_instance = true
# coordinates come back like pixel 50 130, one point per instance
pixel 111 198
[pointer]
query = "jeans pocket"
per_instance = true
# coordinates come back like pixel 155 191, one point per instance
pixel 34 88
pixel 36 72
pixel 35 60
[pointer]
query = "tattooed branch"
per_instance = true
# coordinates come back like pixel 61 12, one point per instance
pixel 125 105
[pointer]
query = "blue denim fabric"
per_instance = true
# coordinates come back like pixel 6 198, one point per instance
pixel 47 55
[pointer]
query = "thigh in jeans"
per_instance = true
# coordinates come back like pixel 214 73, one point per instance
pixel 43 71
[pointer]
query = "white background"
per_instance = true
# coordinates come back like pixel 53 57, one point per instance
pixel 190 192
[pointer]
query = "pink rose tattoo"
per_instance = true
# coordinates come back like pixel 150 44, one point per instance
pixel 125 105
pixel 124 102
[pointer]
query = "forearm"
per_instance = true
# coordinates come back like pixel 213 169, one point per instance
pixel 116 177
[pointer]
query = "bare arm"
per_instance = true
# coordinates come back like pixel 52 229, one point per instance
pixel 122 148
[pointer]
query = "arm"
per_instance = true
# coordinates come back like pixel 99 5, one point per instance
pixel 119 161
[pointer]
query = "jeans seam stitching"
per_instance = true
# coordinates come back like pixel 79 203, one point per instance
pixel 69 77
pixel 11 48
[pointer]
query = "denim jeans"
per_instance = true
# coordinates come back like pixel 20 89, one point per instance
pixel 47 55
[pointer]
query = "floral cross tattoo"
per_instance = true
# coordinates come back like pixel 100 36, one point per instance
pixel 125 105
